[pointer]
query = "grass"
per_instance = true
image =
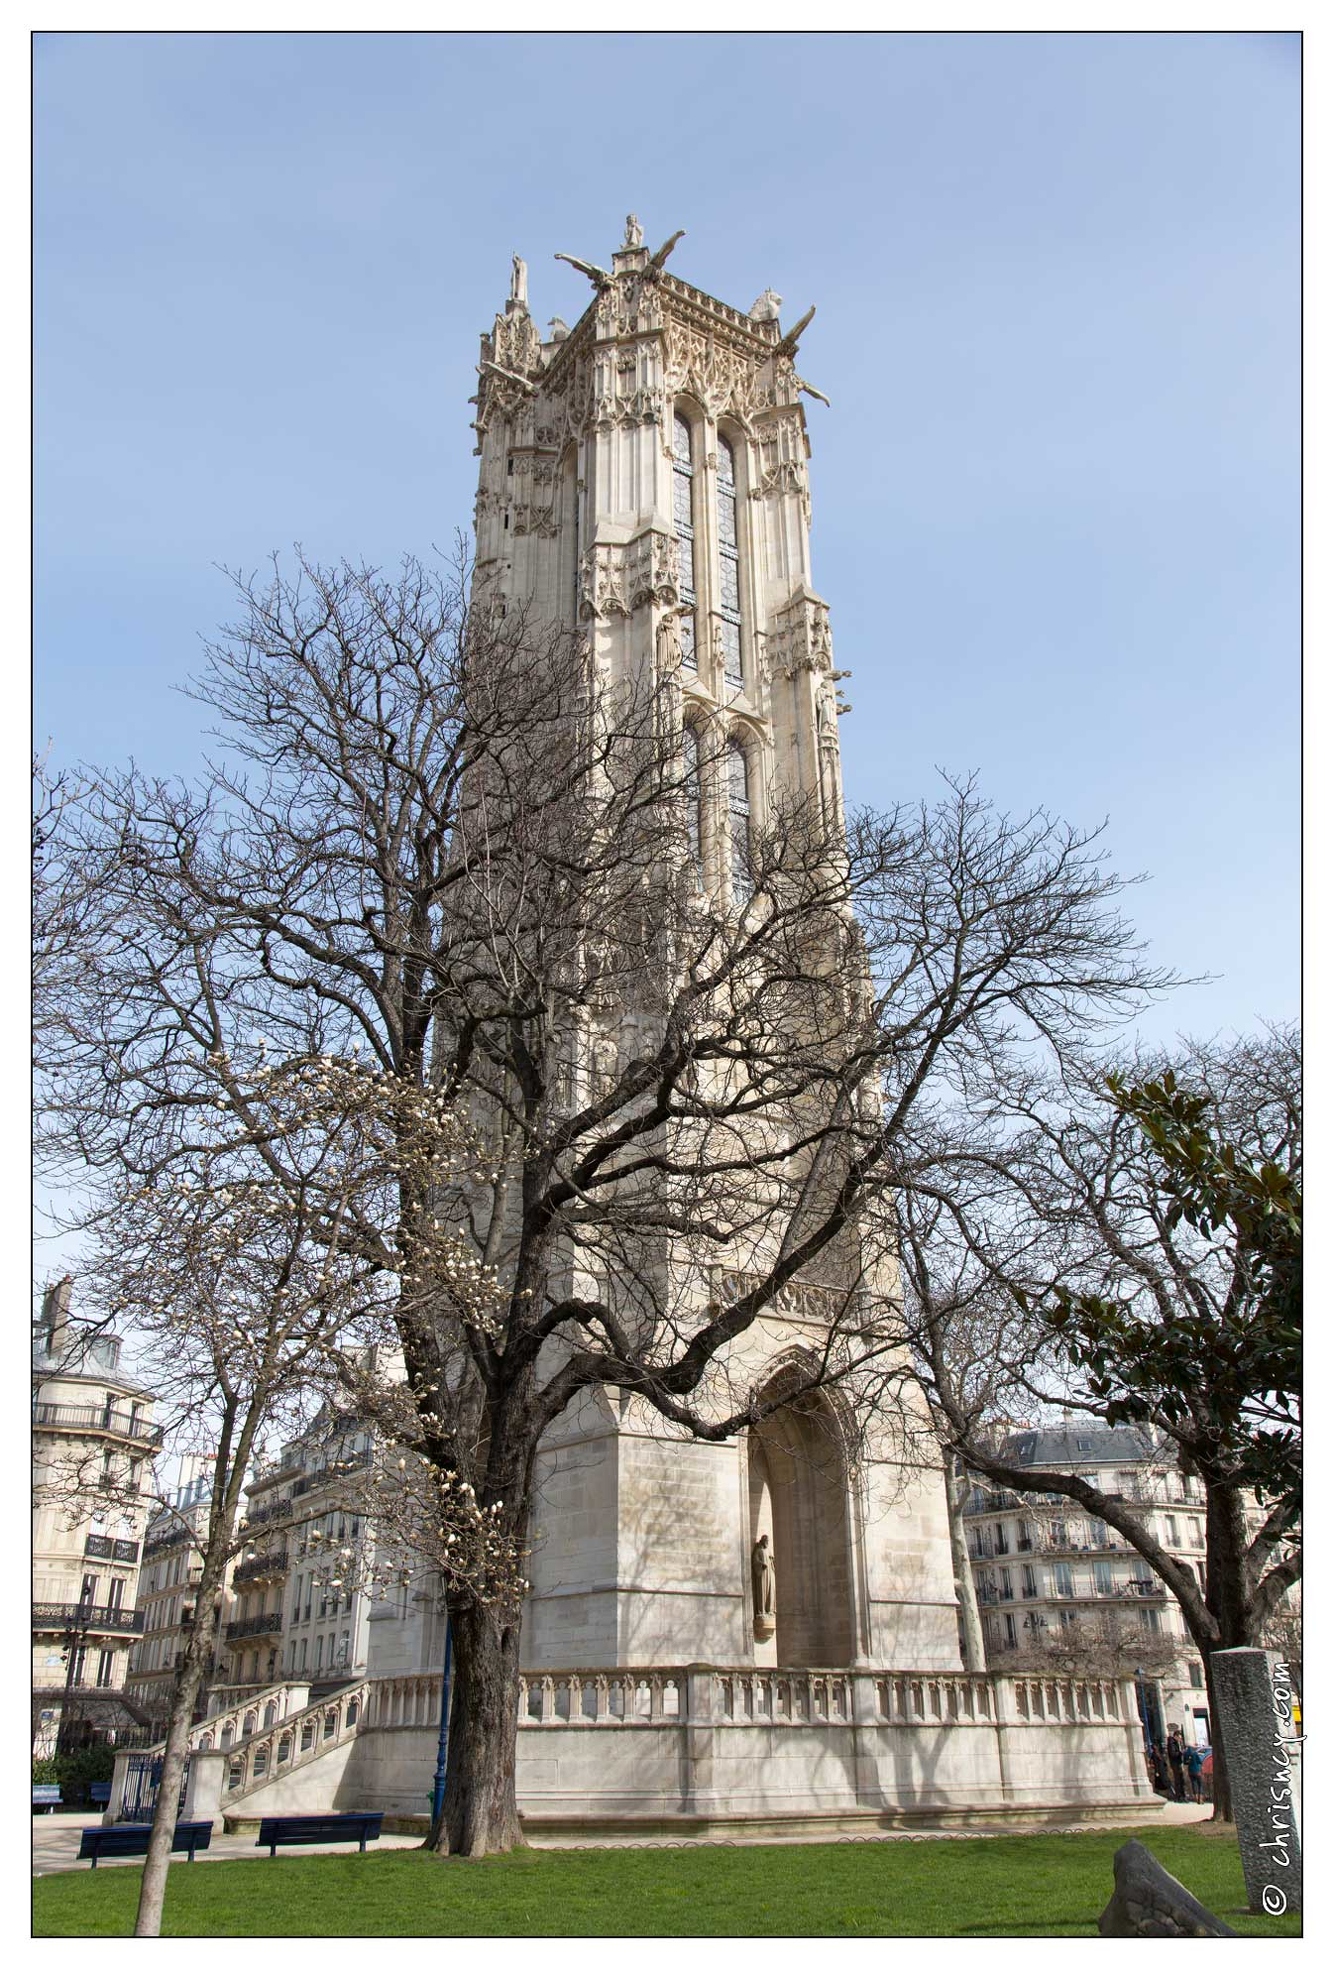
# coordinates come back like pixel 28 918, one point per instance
pixel 1036 1884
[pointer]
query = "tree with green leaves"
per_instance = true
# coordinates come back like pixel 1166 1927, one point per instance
pixel 1129 1244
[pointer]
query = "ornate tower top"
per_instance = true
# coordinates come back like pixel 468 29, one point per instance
pixel 644 479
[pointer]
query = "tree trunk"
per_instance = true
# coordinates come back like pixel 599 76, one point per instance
pixel 973 1646
pixel 481 1814
pixel 1222 1790
pixel 153 1886
pixel 1229 1602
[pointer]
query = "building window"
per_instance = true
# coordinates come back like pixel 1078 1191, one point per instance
pixel 1011 1635
pixel 1062 1580
pixel 683 518
pixel 1097 1532
pixel 77 1668
pixel 1002 1539
pixel 693 795
pixel 729 576
pixel 1102 1577
pixel 738 816
pixel 1172 1535
pixel 1148 1620
pixel 1030 1583
pixel 106 1661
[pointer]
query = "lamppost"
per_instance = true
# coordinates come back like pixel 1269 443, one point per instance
pixel 442 1745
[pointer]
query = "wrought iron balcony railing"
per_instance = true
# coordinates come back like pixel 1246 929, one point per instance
pixel 124 1551
pixel 265 1565
pixel 78 1616
pixel 263 1623
pixel 104 1421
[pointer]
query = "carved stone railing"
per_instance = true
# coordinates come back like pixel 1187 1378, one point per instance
pixel 820 1696
pixel 1060 1699
pixel 250 1716
pixel 608 1695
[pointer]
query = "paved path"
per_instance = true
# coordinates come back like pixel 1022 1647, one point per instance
pixel 55 1845
pixel 55 1839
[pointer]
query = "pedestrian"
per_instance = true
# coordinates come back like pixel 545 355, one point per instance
pixel 1176 1764
pixel 1195 1772
pixel 1158 1767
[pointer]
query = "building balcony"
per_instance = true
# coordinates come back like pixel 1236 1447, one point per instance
pixel 1124 1589
pixel 166 1541
pixel 72 1616
pixel 244 1630
pixel 343 1468
pixel 281 1508
pixel 124 1551
pixel 104 1421
pixel 265 1565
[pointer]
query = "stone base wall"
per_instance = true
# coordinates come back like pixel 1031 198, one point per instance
pixel 700 1747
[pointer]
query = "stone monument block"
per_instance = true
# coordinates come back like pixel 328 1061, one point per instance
pixel 1254 1704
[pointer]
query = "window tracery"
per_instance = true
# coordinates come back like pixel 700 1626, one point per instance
pixel 694 795
pixel 738 817
pixel 683 486
pixel 729 579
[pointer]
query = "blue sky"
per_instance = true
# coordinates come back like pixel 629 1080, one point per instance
pixel 1056 497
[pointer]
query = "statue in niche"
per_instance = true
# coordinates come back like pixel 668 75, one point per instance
pixel 519 283
pixel 764 1586
pixel 669 644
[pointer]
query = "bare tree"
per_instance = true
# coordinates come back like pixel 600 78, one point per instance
pixel 456 867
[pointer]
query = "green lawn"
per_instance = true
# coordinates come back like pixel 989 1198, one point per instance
pixel 1037 1884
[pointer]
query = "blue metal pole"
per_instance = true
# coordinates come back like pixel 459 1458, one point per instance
pixel 442 1748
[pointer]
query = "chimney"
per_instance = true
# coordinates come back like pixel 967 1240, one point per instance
pixel 55 1313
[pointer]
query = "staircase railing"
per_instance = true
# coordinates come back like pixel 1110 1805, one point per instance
pixel 297 1739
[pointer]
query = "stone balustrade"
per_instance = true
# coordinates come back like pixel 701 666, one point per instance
pixel 792 1695
pixel 298 1739
pixel 252 1714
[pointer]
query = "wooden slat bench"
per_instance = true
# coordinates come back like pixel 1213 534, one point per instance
pixel 119 1842
pixel 45 1797
pixel 319 1829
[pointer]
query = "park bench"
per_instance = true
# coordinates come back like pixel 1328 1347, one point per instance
pixel 100 1794
pixel 319 1829
pixel 119 1842
pixel 45 1796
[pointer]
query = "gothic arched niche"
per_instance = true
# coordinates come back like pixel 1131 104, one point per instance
pixel 799 1499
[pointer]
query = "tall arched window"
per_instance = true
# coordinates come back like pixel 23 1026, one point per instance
pixel 729 583
pixel 693 795
pixel 683 517
pixel 738 818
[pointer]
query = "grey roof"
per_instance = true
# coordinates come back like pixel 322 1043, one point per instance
pixel 1093 1442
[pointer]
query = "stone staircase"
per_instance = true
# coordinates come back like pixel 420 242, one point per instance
pixel 295 1740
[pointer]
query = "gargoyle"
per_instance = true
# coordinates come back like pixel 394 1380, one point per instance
pixel 599 276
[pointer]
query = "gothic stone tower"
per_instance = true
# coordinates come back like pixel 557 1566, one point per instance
pixel 643 479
